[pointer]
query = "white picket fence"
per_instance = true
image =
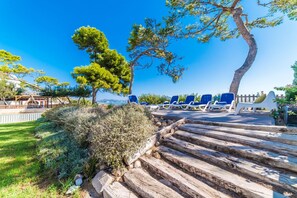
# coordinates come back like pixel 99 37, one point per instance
pixel 22 117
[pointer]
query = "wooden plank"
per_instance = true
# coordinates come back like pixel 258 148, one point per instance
pixel 117 190
pixel 146 186
pixel 265 157
pixel 272 136
pixel 184 182
pixel 281 179
pixel 283 149
pixel 269 128
pixel 241 186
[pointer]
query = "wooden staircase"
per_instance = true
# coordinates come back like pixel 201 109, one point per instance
pixel 204 160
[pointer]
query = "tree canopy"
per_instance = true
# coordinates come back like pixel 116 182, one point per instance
pixel 226 19
pixel 98 78
pixel 108 70
pixel 9 64
pixel 151 42
pixel 7 90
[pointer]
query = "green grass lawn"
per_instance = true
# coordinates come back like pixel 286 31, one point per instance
pixel 19 170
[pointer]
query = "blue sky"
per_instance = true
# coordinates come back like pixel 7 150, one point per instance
pixel 40 32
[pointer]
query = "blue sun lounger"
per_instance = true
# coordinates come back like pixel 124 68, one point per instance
pixel 203 104
pixel 167 105
pixel 184 105
pixel 132 99
pixel 227 102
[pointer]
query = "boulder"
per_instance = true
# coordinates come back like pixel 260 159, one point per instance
pixel 101 181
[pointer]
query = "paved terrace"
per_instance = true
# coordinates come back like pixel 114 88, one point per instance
pixel 244 118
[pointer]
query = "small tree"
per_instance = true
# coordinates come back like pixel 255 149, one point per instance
pixel 81 92
pixel 151 41
pixel 212 18
pixel 98 78
pixel 7 90
pixel 108 71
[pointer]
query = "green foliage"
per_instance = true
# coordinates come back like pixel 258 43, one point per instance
pixel 183 97
pixel 290 94
pixel 7 90
pixel 58 154
pixel 260 98
pixel 9 65
pixel 212 18
pixel 96 130
pixel 92 40
pixel 153 98
pixel 108 71
pixel 48 81
pixel 98 78
pixel 152 41
pixel 120 133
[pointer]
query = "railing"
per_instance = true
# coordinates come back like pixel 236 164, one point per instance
pixel 13 118
pixel 252 98
pixel 27 106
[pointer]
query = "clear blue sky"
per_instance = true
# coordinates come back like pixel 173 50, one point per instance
pixel 40 32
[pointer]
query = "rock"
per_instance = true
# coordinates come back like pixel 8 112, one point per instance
pixel 72 189
pixel 130 166
pixel 137 164
pixel 116 172
pixel 156 155
pixel 101 180
pixel 78 180
pixel 149 152
pixel 159 123
pixel 172 131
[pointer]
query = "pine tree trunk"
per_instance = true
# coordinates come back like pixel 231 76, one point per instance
pixel 248 37
pixel 132 79
pixel 94 95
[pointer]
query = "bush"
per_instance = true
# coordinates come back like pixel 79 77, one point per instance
pixel 153 98
pixel 260 98
pixel 76 120
pixel 120 133
pixel 59 155
pixel 184 96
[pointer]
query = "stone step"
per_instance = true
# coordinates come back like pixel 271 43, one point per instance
pixel 265 157
pixel 147 186
pixel 239 185
pixel 181 180
pixel 117 190
pixel 272 136
pixel 281 179
pixel 283 149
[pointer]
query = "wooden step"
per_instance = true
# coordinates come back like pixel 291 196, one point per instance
pixel 184 182
pixel 117 190
pixel 269 128
pixel 241 186
pixel 272 136
pixel 283 149
pixel 265 157
pixel 284 180
pixel 147 186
